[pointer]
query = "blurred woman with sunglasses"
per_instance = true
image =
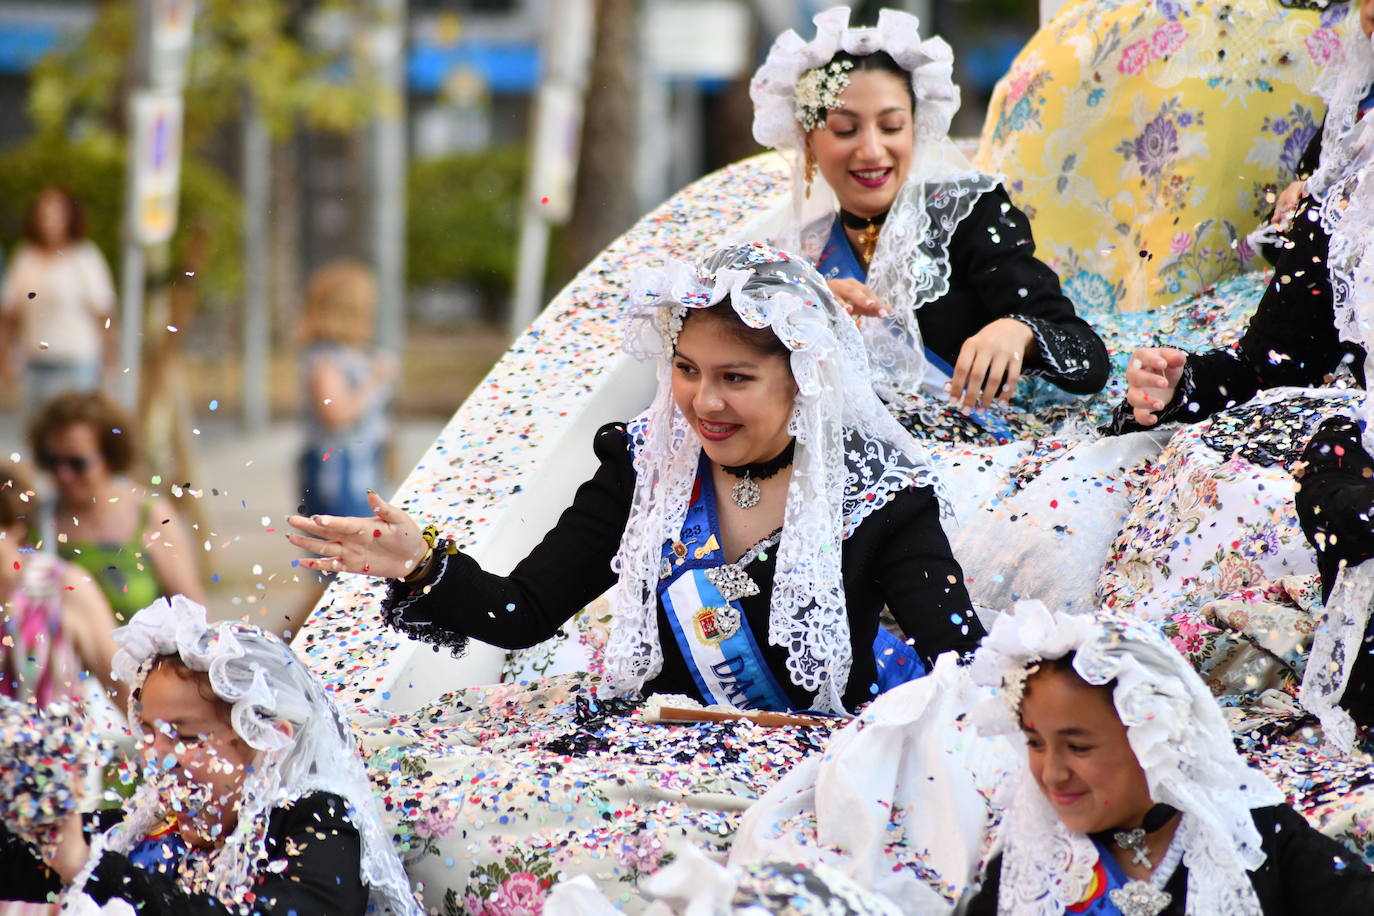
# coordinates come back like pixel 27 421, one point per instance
pixel 132 543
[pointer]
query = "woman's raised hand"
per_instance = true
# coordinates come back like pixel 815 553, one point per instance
pixel 857 299
pixel 388 544
pixel 1152 379
pixel 1287 203
pixel 990 364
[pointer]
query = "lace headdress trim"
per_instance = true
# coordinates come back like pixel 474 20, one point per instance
pixel 1178 735
pixel 265 685
pixel 835 403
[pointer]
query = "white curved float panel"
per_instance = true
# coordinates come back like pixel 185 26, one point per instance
pixel 508 462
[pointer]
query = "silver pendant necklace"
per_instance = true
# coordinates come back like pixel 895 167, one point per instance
pixel 1133 841
pixel 1138 897
pixel 746 493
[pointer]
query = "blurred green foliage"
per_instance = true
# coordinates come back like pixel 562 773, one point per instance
pixel 93 171
pixel 240 49
pixel 463 221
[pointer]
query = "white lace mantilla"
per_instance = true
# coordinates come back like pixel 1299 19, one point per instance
pixel 835 401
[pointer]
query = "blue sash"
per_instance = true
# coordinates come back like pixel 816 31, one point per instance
pixel 1107 877
pixel 838 262
pixel 160 853
pixel 712 633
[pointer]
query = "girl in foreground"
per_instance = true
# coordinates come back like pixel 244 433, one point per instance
pixel 1134 801
pixel 253 800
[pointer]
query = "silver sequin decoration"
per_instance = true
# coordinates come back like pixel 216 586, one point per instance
pixel 1140 898
pixel 732 582
pixel 745 493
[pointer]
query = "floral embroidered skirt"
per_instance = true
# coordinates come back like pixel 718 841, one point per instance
pixel 499 792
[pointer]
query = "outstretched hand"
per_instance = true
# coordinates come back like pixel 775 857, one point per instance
pixel 1152 379
pixel 387 545
pixel 857 299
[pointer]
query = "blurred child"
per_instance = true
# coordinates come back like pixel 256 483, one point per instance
pixel 348 384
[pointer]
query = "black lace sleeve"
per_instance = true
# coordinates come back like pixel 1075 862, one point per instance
pixel 1335 503
pixel 1291 340
pixel 994 249
pixel 564 573
pixel 1335 498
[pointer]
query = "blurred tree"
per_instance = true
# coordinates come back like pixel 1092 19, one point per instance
pixel 302 63
pixel 464 221
pixel 605 202
pixel 239 48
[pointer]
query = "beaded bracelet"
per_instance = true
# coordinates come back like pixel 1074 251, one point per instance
pixel 434 546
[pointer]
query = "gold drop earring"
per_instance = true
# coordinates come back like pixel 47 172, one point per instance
pixel 809 159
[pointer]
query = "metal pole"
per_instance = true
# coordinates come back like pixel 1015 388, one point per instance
pixel 388 173
pixel 558 110
pixel 131 274
pixel 257 164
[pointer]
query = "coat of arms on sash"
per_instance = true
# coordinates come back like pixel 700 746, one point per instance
pixel 715 624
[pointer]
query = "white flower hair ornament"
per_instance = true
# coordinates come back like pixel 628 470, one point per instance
pixel 268 689
pixel 767 288
pixel 1177 733
pixel 787 96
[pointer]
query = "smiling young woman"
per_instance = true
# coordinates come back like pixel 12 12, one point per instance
pixel 751 525
pixel 930 252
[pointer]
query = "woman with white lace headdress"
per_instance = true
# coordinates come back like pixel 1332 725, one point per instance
pixel 749 527
pixel 1133 800
pixel 751 523
pixel 253 800
pixel 929 250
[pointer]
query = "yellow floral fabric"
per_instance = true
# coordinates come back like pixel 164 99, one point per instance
pixel 1146 138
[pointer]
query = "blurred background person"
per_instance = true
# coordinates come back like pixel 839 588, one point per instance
pixel 56 623
pixel 56 303
pixel 56 626
pixel 349 385
pixel 131 542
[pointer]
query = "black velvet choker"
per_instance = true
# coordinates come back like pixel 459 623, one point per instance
pixel 1154 819
pixel 860 223
pixel 746 492
pixel 762 470
pixel 868 232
